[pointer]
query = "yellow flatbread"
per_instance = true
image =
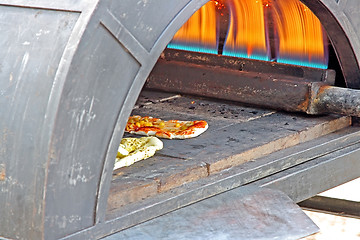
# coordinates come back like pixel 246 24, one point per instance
pixel 132 150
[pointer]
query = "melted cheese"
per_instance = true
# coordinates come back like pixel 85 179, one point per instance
pixel 137 149
pixel 171 129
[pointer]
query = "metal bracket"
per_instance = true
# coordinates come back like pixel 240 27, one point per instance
pixel 336 206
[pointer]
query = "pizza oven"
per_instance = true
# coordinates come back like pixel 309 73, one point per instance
pixel 276 80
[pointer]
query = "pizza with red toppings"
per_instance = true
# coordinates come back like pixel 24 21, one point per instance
pixel 170 129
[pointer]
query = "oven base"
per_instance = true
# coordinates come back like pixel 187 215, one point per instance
pixel 282 169
pixel 299 172
pixel 236 135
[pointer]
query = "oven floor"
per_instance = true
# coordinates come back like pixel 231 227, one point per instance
pixel 236 135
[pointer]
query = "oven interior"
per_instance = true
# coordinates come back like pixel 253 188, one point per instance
pixel 243 134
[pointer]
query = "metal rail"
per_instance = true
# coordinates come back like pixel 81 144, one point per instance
pixel 336 206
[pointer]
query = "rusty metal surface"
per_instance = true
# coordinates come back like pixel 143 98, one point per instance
pixel 242 213
pixel 250 65
pixel 260 88
pixel 167 104
pixel 335 99
pixel 253 88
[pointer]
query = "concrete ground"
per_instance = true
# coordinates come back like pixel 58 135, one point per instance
pixel 337 227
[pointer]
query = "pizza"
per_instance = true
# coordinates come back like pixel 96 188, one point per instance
pixel 171 129
pixel 132 150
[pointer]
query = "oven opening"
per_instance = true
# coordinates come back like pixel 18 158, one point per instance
pixel 244 67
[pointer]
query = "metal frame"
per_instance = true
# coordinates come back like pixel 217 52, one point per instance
pixel 67 89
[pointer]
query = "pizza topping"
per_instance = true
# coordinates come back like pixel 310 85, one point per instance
pixel 122 152
pixel 166 129
pixel 132 150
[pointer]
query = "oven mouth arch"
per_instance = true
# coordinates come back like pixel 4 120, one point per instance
pixel 185 14
pixel 333 28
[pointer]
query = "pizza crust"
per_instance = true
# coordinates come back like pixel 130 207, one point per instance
pixel 171 129
pixel 194 133
pixel 132 150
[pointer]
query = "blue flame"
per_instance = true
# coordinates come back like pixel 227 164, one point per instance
pixel 201 49
pixel 245 55
pixel 302 63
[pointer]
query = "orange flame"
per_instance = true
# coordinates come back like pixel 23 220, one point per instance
pixel 300 40
pixel 247 32
pixel 199 33
pixel 301 37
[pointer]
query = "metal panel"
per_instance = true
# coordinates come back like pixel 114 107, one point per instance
pixel 311 178
pixel 243 213
pixel 87 113
pixel 32 44
pixel 65 5
pixel 146 27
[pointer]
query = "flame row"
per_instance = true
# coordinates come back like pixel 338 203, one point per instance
pixel 200 32
pixel 302 40
pixel 299 37
pixel 246 38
